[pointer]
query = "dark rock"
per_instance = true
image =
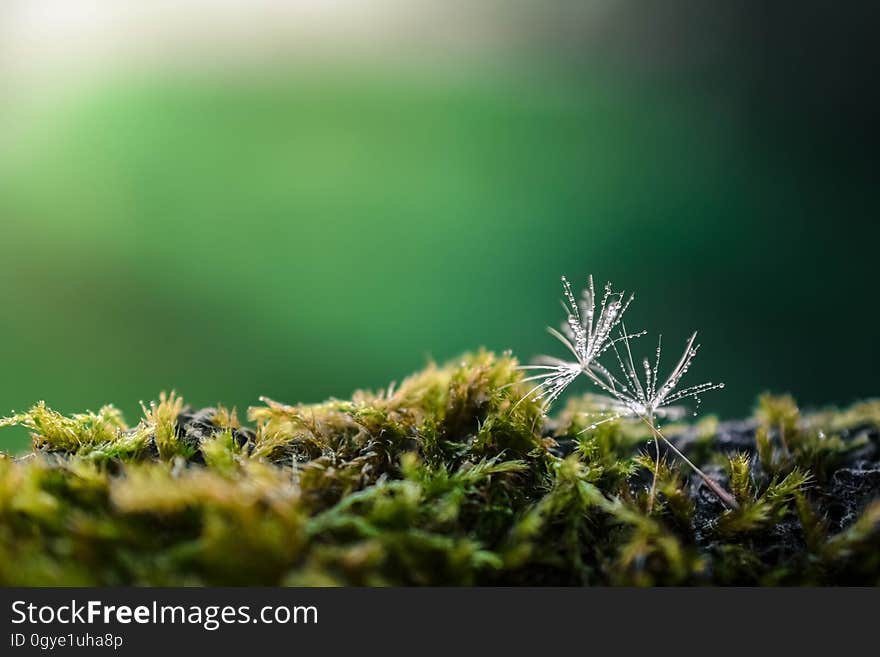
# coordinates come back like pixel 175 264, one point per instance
pixel 707 506
pixel 866 428
pixel 563 447
pixel 193 427
pixel 736 436
pixel 732 436
pixel 849 491
pixel 244 437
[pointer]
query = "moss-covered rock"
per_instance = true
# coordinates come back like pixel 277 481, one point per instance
pixel 445 479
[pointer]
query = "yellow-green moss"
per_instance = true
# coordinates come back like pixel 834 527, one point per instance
pixel 443 480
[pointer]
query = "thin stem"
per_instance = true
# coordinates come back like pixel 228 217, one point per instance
pixel 722 494
pixel 653 493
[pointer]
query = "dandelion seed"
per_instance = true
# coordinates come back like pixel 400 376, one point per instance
pixel 586 335
pixel 649 400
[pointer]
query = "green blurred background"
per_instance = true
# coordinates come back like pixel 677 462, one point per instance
pixel 305 217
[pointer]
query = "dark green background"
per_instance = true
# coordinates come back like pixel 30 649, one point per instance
pixel 300 235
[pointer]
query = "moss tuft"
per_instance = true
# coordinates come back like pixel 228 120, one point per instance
pixel 445 479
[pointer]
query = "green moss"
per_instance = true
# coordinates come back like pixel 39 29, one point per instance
pixel 444 480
